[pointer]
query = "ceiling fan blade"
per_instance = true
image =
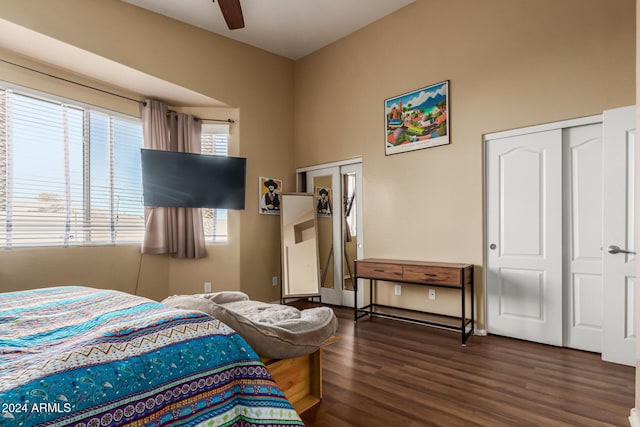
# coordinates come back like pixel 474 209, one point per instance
pixel 232 12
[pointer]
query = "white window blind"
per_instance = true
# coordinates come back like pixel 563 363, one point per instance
pixel 69 174
pixel 214 140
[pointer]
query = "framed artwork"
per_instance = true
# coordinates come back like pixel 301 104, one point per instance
pixel 323 201
pixel 417 119
pixel 269 191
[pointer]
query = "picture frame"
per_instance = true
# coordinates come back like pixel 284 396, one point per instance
pixel 269 195
pixel 324 201
pixel 417 119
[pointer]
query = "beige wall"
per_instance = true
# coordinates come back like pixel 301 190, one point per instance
pixel 258 85
pixel 510 64
pixel 106 267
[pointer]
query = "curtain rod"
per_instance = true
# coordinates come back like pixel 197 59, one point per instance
pixel 198 118
pixel 97 89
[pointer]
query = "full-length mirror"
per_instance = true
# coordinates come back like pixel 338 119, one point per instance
pixel 300 268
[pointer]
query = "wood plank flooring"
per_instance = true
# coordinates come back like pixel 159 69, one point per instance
pixel 389 373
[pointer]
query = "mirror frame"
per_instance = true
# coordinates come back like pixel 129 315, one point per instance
pixel 305 225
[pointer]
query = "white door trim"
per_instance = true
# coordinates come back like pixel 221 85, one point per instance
pixel 540 128
pixel 330 165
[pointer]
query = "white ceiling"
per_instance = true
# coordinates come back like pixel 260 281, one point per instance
pixel 290 28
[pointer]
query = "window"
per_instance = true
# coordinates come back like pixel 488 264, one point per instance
pixel 214 140
pixel 69 174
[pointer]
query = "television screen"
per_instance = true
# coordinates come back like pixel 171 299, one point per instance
pixel 187 180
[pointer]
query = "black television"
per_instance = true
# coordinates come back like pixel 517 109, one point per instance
pixel 188 180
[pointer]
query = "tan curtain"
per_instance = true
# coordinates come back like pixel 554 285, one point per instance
pixel 185 131
pixel 176 231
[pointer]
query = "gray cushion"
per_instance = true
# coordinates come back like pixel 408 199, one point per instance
pixel 272 330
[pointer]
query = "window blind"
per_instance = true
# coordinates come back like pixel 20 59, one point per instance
pixel 215 220
pixel 69 174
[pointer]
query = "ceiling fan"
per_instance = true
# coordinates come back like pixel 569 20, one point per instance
pixel 232 12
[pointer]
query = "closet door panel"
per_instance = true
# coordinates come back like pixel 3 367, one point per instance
pixel 619 267
pixel 583 236
pixel 524 236
pixel 521 187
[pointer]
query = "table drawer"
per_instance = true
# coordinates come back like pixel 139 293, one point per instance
pixel 380 271
pixel 434 275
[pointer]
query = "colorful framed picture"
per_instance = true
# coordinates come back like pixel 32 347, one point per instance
pixel 323 201
pixel 417 119
pixel 269 191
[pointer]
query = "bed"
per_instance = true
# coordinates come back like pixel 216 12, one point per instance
pixel 274 331
pixel 86 357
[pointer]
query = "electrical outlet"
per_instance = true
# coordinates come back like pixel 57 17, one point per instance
pixel 274 281
pixel 207 287
pixel 432 294
pixel 398 290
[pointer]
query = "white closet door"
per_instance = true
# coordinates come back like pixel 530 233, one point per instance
pixel 619 334
pixel 524 234
pixel 583 237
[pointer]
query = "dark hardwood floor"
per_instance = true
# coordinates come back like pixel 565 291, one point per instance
pixel 388 373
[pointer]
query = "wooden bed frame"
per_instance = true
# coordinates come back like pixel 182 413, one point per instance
pixel 300 378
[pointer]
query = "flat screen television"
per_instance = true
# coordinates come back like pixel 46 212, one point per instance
pixel 187 180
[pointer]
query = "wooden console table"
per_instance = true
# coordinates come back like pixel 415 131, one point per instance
pixel 432 274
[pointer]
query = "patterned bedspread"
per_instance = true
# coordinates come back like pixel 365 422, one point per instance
pixel 87 357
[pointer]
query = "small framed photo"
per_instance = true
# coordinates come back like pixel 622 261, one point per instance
pixel 323 201
pixel 417 119
pixel 269 191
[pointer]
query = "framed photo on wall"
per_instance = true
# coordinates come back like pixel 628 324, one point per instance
pixel 417 119
pixel 269 191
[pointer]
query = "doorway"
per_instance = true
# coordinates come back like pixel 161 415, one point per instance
pixel 559 203
pixel 337 188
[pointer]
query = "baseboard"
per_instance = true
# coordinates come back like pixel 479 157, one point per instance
pixel 480 332
pixel 634 418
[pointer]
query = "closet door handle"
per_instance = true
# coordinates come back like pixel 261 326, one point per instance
pixel 613 249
